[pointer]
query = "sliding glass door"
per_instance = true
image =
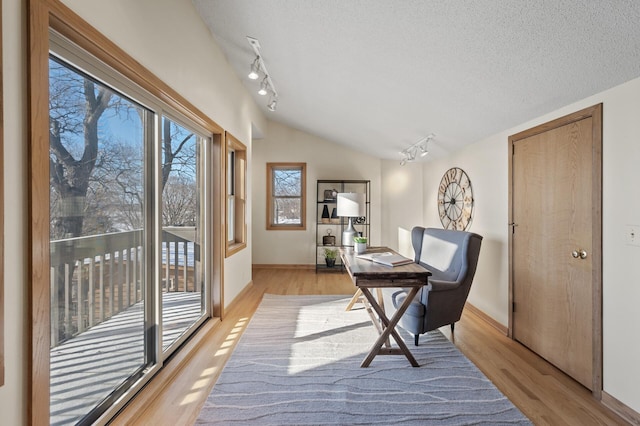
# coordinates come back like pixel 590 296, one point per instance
pixel 128 236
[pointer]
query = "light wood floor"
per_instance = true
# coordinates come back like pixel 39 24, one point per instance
pixel 539 390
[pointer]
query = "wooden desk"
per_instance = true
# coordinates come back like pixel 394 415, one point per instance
pixel 367 275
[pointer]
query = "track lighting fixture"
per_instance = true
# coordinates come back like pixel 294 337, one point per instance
pixel 409 154
pixel 258 66
pixel 255 69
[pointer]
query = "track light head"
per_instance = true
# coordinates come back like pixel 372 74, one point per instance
pixel 273 103
pixel 412 154
pixel 263 86
pixel 255 69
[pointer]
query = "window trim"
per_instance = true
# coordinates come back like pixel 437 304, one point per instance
pixel 303 197
pixel 239 183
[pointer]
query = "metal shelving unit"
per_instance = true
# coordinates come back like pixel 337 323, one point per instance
pixel 333 226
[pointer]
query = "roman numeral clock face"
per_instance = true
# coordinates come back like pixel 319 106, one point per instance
pixel 455 200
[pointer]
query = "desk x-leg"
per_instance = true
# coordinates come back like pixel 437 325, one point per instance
pixel 388 329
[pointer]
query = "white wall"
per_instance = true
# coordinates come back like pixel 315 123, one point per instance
pixel 486 163
pixel 13 395
pixel 490 289
pixel 325 160
pixel 167 37
pixel 403 204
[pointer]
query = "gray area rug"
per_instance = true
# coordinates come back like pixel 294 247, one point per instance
pixel 298 363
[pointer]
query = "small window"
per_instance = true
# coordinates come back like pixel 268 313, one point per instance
pixel 236 195
pixel 286 187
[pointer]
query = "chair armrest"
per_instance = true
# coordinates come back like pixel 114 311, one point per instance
pixel 440 285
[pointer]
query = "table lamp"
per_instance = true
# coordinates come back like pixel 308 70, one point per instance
pixel 350 204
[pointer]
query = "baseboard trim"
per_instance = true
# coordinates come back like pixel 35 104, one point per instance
pixel 486 318
pixel 281 266
pixel 619 408
pixel 238 299
pixel 627 413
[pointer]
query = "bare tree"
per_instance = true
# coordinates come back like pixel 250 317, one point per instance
pixel 75 108
pixel 97 184
pixel 181 158
pixel 287 189
pixel 179 200
pixel 120 182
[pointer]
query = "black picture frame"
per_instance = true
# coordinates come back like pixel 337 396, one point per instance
pixel 330 195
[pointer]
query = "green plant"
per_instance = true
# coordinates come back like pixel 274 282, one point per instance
pixel 360 239
pixel 330 253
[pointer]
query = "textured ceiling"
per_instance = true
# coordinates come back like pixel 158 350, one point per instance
pixel 378 75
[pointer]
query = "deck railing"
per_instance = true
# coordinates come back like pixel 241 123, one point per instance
pixel 94 278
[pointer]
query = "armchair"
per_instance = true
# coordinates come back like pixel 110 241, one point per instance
pixel 452 257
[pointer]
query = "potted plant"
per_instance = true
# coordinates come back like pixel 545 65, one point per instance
pixel 360 245
pixel 330 257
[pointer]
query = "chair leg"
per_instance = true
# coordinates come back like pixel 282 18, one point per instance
pixel 453 324
pixel 415 339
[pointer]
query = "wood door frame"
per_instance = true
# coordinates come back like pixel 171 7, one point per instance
pixel 595 113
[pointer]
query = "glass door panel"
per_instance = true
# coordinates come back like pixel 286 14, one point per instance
pixel 97 229
pixel 182 283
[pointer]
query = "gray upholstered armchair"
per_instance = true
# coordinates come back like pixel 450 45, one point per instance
pixel 452 257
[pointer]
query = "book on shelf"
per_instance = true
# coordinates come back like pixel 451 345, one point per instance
pixel 387 258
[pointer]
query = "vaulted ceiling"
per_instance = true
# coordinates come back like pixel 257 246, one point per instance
pixel 378 75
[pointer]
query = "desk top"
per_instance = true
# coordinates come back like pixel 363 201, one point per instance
pixel 362 270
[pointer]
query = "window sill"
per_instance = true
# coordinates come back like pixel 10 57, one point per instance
pixel 234 248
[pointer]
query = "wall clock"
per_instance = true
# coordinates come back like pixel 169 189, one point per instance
pixel 455 200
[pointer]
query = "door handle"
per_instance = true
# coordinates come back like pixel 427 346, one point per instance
pixel 580 253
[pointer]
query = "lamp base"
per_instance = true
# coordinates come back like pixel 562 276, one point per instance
pixel 348 234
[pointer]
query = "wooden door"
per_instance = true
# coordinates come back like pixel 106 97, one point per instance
pixel 556 244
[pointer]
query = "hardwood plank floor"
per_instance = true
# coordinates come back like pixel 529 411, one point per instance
pixel 539 390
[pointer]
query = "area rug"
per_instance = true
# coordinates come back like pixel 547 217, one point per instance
pixel 298 363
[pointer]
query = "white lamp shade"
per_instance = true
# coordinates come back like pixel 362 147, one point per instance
pixel 351 204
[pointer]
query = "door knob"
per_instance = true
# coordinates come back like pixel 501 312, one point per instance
pixel 582 254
